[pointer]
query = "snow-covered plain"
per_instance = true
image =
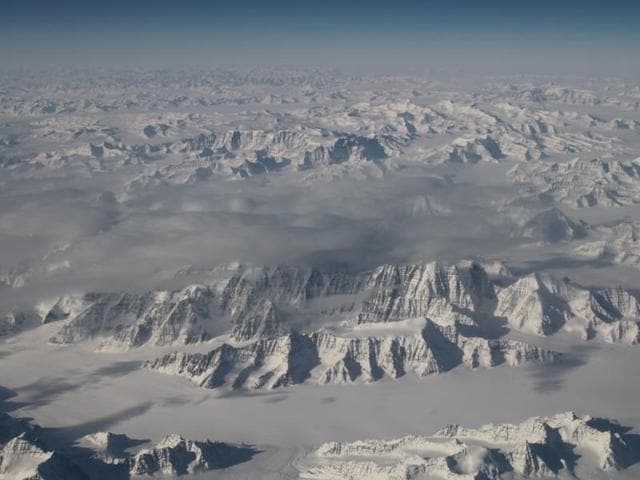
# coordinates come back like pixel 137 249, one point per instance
pixel 212 274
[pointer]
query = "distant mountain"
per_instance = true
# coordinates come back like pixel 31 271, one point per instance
pixel 553 226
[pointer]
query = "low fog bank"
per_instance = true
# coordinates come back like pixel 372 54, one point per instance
pixel 81 237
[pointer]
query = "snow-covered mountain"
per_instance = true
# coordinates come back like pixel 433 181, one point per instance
pixel 176 456
pixel 247 230
pixel 164 138
pixel 24 455
pixel 582 182
pixel 618 243
pixel 253 304
pixel 553 226
pixel 329 359
pixel 542 305
pixel 22 458
pixel 540 447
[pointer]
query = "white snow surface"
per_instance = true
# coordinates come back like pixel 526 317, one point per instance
pixel 247 274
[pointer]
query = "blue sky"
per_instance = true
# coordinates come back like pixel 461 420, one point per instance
pixel 514 36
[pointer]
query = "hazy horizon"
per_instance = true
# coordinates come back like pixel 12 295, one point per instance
pixel 585 38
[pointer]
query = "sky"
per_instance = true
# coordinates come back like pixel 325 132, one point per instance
pixel 544 36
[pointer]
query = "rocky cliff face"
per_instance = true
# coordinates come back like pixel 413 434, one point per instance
pixel 130 320
pixel 249 302
pixel 176 456
pixel 23 459
pixel 445 293
pixel 26 453
pixel 539 447
pixel 24 456
pixel 255 298
pixel 542 305
pixel 325 358
pixel 474 150
pixel 252 304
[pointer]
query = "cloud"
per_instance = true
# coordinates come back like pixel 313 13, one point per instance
pixel 141 244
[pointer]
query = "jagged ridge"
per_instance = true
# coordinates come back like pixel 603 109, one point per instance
pixel 539 447
pixel 326 358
